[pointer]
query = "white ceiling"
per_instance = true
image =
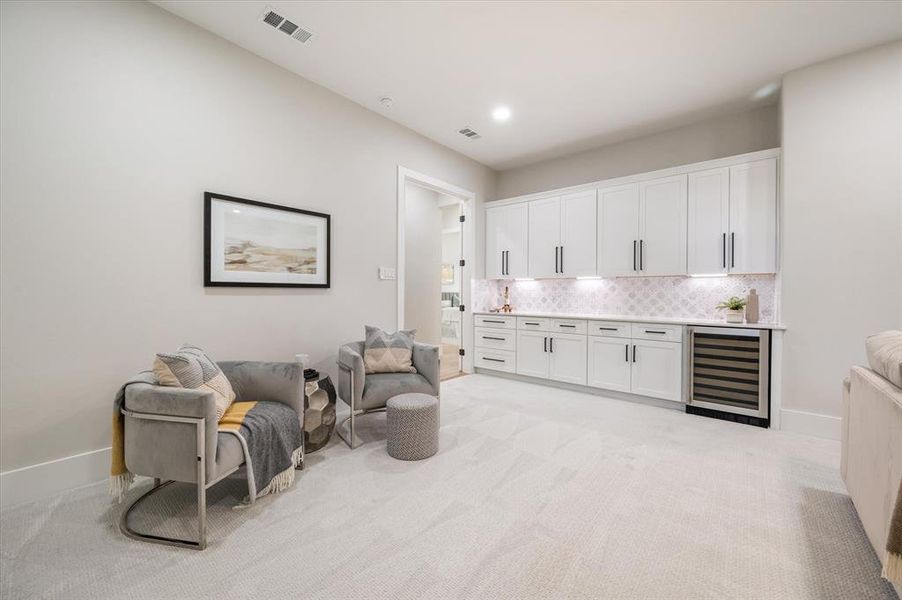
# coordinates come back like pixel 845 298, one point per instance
pixel 575 74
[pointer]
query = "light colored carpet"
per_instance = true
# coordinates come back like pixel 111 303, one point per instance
pixel 535 493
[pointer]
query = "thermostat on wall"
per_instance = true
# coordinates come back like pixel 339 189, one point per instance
pixel 387 273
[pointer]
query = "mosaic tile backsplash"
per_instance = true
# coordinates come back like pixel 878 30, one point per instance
pixel 677 297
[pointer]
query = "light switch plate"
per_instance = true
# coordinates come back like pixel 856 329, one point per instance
pixel 387 273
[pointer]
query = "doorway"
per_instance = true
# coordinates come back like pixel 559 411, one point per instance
pixel 433 266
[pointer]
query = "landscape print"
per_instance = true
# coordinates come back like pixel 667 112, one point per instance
pixel 260 245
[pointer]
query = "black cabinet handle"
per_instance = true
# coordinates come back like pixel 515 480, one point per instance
pixel 530 323
pixel 653 331
pixel 562 260
pixel 556 259
pixel 551 344
pixel 562 325
pixel 732 250
pixel 545 345
pixel 607 329
pixel 502 262
pixel 626 356
pixel 491 321
pixel 641 247
pixel 634 255
pixel 634 352
pixel 724 250
pixel 485 337
pixel 492 359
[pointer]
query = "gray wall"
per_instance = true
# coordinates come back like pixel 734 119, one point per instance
pixel 842 241
pixel 423 258
pixel 757 129
pixel 111 133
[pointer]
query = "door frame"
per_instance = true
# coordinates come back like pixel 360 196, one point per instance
pixel 468 202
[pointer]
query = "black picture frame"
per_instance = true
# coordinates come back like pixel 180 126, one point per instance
pixel 210 197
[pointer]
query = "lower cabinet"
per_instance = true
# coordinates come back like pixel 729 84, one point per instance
pixel 609 363
pixel 548 355
pixel 657 369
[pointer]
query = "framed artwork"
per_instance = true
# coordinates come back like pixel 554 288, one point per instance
pixel 255 244
pixel 447 273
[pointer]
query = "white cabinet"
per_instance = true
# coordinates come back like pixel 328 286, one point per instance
pixel 544 237
pixel 733 219
pixel 709 221
pixel 567 358
pixel 506 237
pixel 532 354
pixel 657 369
pixel 753 217
pixel 618 230
pixel 609 363
pixel 662 226
pixel 562 236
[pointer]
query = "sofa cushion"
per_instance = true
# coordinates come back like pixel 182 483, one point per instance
pixel 380 387
pixel 388 352
pixel 191 368
pixel 885 355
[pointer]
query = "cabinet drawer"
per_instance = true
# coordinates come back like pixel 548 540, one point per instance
pixel 496 321
pixel 533 324
pixel 609 329
pixel 655 331
pixel 495 339
pixel 569 326
pixel 497 360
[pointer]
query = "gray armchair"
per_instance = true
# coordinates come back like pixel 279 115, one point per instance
pixel 171 434
pixel 369 393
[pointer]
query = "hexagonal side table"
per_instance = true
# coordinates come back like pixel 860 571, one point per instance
pixel 319 413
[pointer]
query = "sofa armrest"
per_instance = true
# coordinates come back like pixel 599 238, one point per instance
pixel 426 360
pixel 350 360
pixel 171 401
pixel 267 382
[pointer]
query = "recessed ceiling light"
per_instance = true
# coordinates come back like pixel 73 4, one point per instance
pixel 501 113
pixel 236 211
pixel 766 90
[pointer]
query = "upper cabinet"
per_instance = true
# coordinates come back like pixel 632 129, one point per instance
pixel 753 217
pixel 642 228
pixel 506 237
pixel 562 236
pixel 733 219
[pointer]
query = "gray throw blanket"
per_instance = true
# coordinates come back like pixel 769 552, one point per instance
pixel 271 436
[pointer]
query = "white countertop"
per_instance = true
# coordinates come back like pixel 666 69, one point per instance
pixel 640 319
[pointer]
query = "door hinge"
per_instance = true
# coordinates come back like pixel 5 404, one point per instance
pixel 463 308
pixel 463 263
pixel 462 218
pixel 461 351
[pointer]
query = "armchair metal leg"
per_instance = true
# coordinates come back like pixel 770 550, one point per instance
pixel 339 430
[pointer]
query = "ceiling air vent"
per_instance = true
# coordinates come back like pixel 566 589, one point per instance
pixel 293 30
pixel 467 132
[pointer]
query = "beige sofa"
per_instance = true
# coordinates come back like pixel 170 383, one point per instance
pixel 871 462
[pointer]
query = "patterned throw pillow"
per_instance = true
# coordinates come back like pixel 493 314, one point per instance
pixel 388 352
pixel 190 368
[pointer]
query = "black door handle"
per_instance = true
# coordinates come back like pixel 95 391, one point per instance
pixel 551 345
pixel 634 255
pixel 626 356
pixel 641 248
pixel 562 260
pixel 555 260
pixel 732 250
pixel 724 250
pixel 545 345
pixel 634 352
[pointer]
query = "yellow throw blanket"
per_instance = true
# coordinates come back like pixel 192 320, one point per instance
pixel 120 478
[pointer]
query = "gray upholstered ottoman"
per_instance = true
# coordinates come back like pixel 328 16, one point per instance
pixel 412 426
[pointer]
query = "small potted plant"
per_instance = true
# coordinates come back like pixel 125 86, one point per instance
pixel 735 308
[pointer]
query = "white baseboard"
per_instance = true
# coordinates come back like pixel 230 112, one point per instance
pixel 52 477
pixel 798 421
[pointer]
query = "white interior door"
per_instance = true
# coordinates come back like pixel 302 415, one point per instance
pixel 567 358
pixel 753 217
pixel 516 230
pixel 544 237
pixel 579 223
pixel 657 369
pixel 618 230
pixel 609 363
pixel 495 219
pixel 532 354
pixel 663 220
pixel 709 221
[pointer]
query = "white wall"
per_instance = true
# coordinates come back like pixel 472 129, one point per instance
pixel 842 227
pixel 758 129
pixel 422 261
pixel 111 132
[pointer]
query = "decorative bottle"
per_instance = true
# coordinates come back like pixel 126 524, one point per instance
pixel 751 309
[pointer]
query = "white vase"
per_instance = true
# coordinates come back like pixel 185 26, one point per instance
pixel 735 316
